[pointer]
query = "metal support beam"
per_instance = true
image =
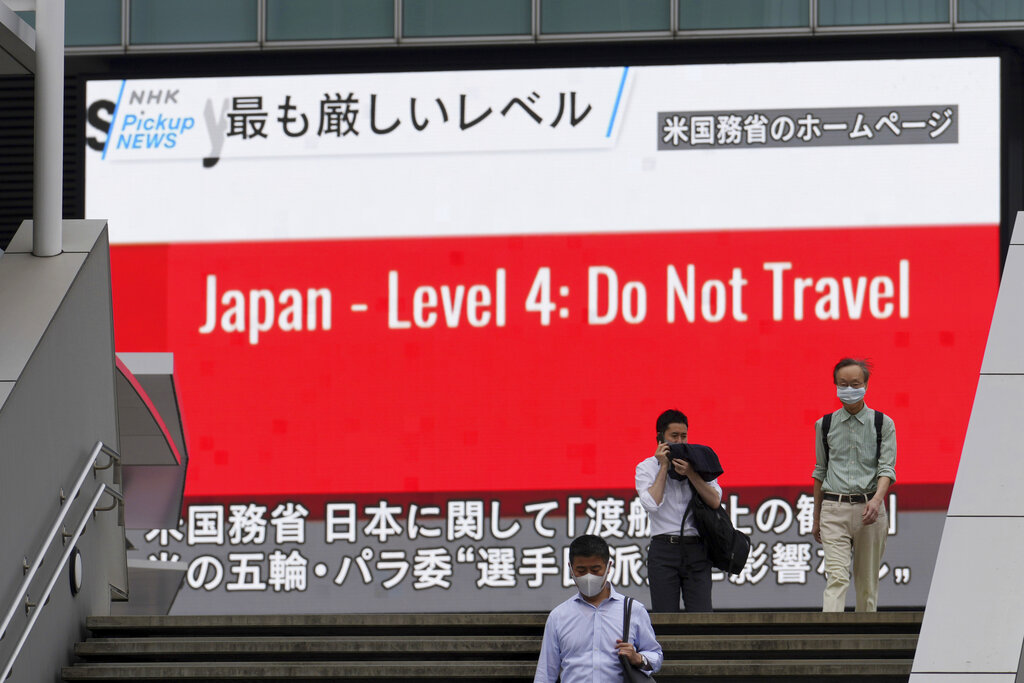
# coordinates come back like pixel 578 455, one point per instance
pixel 49 128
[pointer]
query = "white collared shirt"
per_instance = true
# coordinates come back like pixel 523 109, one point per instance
pixel 667 517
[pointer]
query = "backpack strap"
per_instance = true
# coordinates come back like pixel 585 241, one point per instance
pixel 879 416
pixel 826 424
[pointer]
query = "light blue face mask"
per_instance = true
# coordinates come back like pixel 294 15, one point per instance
pixel 849 395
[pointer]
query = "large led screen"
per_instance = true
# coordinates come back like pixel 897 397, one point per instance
pixel 414 311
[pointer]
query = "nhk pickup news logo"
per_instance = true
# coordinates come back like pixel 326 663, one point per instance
pixel 139 119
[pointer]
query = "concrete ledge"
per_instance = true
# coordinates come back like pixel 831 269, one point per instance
pixel 78 236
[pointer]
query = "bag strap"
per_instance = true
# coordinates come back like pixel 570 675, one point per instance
pixel 826 424
pixel 879 416
pixel 689 508
pixel 626 610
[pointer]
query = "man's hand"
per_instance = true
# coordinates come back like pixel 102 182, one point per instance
pixel 684 468
pixel 662 455
pixel 627 649
pixel 870 514
pixel 681 467
pixel 816 530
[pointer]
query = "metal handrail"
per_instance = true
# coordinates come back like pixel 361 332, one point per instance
pixel 31 570
pixel 69 548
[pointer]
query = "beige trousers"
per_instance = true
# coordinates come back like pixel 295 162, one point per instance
pixel 843 533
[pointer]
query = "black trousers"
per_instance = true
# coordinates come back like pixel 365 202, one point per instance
pixel 676 569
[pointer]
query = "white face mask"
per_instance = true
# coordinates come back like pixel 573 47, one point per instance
pixel 849 395
pixel 592 584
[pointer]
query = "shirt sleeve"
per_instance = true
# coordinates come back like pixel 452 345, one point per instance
pixel 819 454
pixel 644 480
pixel 550 661
pixel 646 642
pixel 887 458
pixel 716 486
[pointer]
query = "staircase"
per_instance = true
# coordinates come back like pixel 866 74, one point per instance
pixel 725 647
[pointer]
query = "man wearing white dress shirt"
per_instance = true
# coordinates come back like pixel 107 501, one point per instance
pixel 677 560
pixel 583 635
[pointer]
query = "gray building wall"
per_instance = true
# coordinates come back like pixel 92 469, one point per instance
pixel 973 627
pixel 57 373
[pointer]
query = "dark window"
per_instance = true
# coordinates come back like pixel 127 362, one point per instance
pixel 604 16
pixel 155 22
pixel 330 19
pixel 438 18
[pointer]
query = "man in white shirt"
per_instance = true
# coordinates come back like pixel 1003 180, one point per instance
pixel 583 635
pixel 677 560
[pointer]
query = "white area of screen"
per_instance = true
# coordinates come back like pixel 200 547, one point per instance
pixel 629 188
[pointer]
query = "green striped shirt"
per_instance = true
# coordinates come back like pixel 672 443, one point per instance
pixel 851 461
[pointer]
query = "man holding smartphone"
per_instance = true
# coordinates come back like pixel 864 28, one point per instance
pixel 677 560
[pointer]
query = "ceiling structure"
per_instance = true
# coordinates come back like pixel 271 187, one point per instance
pixel 17 44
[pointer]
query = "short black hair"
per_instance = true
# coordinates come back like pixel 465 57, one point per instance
pixel 671 416
pixel 589 545
pixel 862 363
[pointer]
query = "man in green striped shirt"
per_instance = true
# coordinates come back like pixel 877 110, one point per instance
pixel 852 475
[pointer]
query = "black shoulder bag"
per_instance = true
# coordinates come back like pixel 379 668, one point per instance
pixel 631 674
pixel 727 547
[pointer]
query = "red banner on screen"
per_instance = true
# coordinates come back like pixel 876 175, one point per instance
pixel 531 363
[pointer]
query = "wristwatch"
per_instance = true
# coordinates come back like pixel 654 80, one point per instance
pixel 644 664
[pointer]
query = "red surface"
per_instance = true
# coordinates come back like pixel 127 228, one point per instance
pixel 361 409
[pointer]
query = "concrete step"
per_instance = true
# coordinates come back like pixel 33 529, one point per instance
pixel 521 623
pixel 721 647
pixel 870 670
pixel 783 622
pixel 300 671
pixel 507 647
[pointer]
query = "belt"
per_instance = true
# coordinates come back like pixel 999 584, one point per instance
pixel 676 540
pixel 848 497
